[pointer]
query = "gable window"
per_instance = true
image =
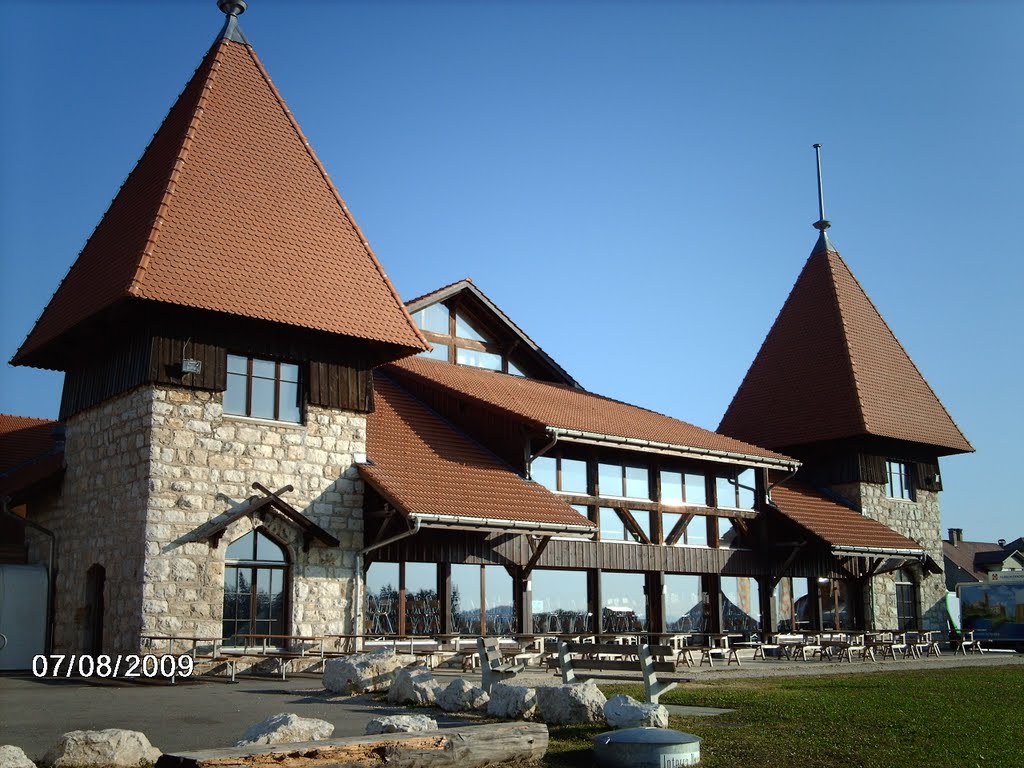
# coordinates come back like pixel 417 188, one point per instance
pixel 461 338
pixel 735 488
pixel 262 389
pixel 898 481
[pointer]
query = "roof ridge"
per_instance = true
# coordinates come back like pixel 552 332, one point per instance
pixel 885 324
pixel 40 419
pixel 337 195
pixel 163 208
pixel 851 363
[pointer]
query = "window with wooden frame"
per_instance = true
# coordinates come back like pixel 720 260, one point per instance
pixel 623 480
pixel 560 473
pixel 683 487
pixel 263 389
pixel 680 529
pixel 458 338
pixel 735 488
pixel 898 481
pixel 620 524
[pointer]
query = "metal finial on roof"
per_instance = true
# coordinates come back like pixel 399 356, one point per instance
pixel 822 223
pixel 233 9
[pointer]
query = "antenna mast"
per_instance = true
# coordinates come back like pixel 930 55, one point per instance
pixel 822 223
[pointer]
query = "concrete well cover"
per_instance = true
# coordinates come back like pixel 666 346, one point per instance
pixel 646 748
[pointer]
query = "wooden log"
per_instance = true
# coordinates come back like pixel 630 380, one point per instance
pixel 470 746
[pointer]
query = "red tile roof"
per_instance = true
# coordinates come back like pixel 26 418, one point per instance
pixel 831 368
pixel 230 210
pixel 837 525
pixel 422 465
pixel 23 439
pixel 28 453
pixel 540 404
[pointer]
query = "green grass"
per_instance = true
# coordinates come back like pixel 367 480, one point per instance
pixel 957 717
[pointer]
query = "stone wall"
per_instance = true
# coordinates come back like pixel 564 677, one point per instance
pixel 203 463
pixel 148 470
pixel 99 519
pixel 919 520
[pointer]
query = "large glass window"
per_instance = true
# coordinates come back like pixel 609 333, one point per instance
pixel 439 352
pixel 735 488
pixel 684 607
pixel 255 594
pixel 501 615
pixel 558 473
pixel 899 485
pixel 792 605
pixel 422 608
pixel 741 604
pixel 615 528
pixel 264 389
pixel 678 488
pixel 623 480
pixel 728 533
pixel 695 534
pixel 560 602
pixel 382 598
pixel 624 608
pixel 433 318
pixel 477 359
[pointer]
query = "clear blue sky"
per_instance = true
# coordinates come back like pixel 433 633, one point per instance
pixel 632 182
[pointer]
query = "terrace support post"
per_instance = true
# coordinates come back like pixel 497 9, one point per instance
pixel 522 598
pixel 596 599
pixel 713 608
pixel 769 611
pixel 444 597
pixel 655 588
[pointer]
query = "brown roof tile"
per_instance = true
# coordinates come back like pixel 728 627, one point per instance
pixel 834 523
pixel 421 464
pixel 23 439
pixel 230 210
pixel 541 404
pixel 831 368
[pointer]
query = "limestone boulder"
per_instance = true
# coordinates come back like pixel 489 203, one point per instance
pixel 576 703
pixel 110 748
pixel 400 724
pixel 461 695
pixel 625 712
pixel 414 685
pixel 285 728
pixel 512 702
pixel 364 672
pixel 13 757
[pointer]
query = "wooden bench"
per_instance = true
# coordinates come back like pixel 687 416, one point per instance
pixel 493 667
pixel 591 659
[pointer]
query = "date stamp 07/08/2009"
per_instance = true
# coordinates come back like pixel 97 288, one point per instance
pixel 132 665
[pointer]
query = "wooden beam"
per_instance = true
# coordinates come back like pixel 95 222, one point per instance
pixel 632 524
pixel 786 563
pixel 538 550
pixel 677 530
pixel 653 506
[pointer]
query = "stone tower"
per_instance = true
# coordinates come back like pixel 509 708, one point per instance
pixel 833 387
pixel 217 334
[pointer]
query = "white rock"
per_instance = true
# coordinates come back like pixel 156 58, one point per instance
pixel 512 702
pixel 415 685
pixel 13 757
pixel 285 728
pixel 112 747
pixel 625 712
pixel 364 672
pixel 400 724
pixel 576 703
pixel 461 695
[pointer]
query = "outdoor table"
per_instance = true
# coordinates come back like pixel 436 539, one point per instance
pixel 266 649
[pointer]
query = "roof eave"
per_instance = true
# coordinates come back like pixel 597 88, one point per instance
pixel 652 446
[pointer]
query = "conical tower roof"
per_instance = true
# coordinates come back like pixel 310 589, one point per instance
pixel 230 210
pixel 832 369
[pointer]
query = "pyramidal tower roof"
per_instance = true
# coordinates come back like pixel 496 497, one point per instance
pixel 230 210
pixel 832 369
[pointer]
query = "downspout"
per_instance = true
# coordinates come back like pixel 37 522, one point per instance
pixel 50 585
pixel 768 490
pixel 529 461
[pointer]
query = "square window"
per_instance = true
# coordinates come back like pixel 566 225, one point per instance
pixel 263 389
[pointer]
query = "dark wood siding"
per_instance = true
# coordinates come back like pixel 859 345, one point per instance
pixel 166 357
pixel 333 385
pixel 107 373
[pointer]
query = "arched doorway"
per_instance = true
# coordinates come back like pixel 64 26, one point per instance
pixel 255 588
pixel 95 581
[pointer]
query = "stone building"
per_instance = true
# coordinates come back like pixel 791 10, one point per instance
pixel 257 436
